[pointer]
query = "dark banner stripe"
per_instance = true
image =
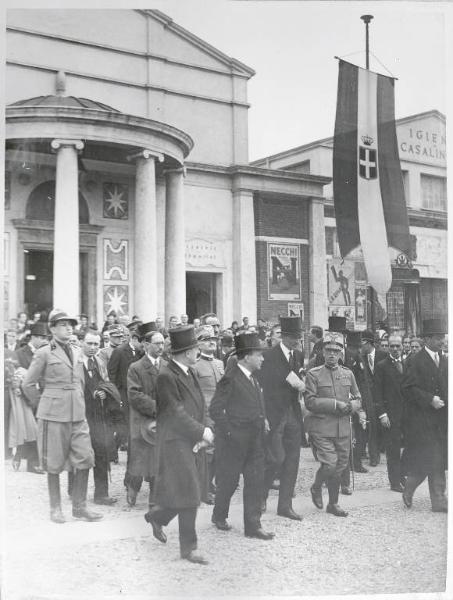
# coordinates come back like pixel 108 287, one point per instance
pixel 345 159
pixel 390 176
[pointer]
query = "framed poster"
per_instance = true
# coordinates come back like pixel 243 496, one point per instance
pixel 283 262
pixel 296 309
pixel 341 278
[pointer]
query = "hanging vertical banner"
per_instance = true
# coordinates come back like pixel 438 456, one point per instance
pixel 370 207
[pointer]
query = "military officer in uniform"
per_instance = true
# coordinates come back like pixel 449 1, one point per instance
pixel 327 397
pixel 63 433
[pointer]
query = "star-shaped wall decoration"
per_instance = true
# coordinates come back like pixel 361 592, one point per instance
pixel 115 200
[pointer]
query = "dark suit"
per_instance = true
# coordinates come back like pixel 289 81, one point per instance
pixel 237 410
pixel 24 356
pixel 374 428
pixel 427 427
pixel 285 419
pixel 181 419
pixel 388 398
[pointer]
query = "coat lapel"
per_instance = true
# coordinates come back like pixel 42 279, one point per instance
pixel 245 382
pixel 58 351
pixel 184 380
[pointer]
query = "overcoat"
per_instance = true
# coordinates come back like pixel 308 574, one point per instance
pixel 181 419
pixel 427 428
pixel 24 356
pixel 141 390
pixel 388 394
pixel 63 396
pixel 118 366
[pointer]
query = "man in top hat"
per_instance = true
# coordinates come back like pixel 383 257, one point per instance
pixel 389 402
pixel 237 410
pixel 282 385
pixel 425 387
pixel 141 390
pixel 182 424
pixel 63 433
pixel 371 357
pixel 328 392
pixel 210 371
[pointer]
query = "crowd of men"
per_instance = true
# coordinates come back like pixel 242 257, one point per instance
pixel 196 406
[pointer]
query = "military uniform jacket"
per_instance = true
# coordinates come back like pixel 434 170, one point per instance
pixel 323 387
pixel 63 384
pixel 209 372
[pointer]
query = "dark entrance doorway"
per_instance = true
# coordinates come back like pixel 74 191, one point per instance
pixel 201 296
pixel 38 285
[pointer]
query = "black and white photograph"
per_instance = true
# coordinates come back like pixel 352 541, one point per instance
pixel 225 300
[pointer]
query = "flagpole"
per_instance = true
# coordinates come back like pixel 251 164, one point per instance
pixel 366 19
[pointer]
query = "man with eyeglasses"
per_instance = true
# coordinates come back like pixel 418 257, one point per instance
pixel 331 397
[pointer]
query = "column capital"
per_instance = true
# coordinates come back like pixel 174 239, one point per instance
pixel 61 143
pixel 147 153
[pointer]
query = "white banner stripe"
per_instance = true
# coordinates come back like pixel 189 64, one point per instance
pixel 373 234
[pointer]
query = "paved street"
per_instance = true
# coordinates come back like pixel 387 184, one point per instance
pixel 380 548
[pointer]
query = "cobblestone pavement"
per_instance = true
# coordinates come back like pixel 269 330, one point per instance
pixel 380 548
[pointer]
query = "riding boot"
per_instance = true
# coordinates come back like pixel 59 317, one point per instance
pixel 53 484
pixel 79 497
pixel 70 482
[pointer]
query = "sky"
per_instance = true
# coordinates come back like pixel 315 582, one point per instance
pixel 292 45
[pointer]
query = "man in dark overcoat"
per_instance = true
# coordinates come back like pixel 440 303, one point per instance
pixel 237 410
pixel 181 431
pixel 425 387
pixel 141 390
pixel 282 385
pixel 389 402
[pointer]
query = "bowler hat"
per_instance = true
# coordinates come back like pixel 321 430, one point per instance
pixel 58 315
pixel 144 330
pixel 333 338
pixel 354 338
pixel 182 338
pixel 433 327
pixel 337 324
pixel 39 328
pixel 368 336
pixel 247 342
pixel 291 325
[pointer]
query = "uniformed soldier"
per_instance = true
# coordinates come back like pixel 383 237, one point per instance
pixel 63 433
pixel 331 396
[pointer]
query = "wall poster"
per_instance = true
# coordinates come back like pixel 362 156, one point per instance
pixel 283 271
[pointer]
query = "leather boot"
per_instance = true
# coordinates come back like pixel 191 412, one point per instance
pixel 70 482
pixel 412 482
pixel 53 484
pixel 79 497
pixel 333 485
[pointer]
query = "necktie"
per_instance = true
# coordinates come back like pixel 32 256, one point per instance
pixel 91 365
pixel 156 363
pixel 398 365
pixel 371 362
pixel 67 351
pixel 437 358
pixel 292 361
pixel 254 383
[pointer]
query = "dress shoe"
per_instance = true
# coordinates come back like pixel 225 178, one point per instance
pixel 260 534
pixel 221 524
pixel 195 558
pixel 346 490
pixel 263 506
pixel 334 509
pixel 56 515
pixel 397 488
pixel 106 500
pixel 407 499
pixel 275 485
pixel 316 496
pixel 37 470
pixel 16 463
pixel 81 512
pixel 157 529
pixel 289 514
pixel 131 495
pixel 360 469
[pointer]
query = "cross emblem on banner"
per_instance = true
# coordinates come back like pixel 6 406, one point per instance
pixel 367 163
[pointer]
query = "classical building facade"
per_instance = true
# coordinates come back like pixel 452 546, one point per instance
pixel 127 181
pixel 418 292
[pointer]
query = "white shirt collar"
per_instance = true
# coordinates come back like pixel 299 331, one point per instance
pixel 433 355
pixel 32 348
pixel 183 367
pixel 286 351
pixel 246 372
pixel 152 359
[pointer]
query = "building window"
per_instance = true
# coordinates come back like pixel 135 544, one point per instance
pixel 407 196
pixel 434 192
pixel 395 309
pixel 330 240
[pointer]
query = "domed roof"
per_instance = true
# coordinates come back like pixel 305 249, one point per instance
pixel 64 102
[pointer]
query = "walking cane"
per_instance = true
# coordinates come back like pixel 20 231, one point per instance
pixel 351 453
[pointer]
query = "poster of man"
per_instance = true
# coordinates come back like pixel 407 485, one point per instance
pixel 284 271
pixel 341 282
pixel 360 306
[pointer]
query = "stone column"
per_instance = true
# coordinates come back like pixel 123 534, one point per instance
pixel 244 257
pixel 145 236
pixel 66 274
pixel 175 245
pixel 317 259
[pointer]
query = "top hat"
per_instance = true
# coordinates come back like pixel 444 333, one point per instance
pixel 337 324
pixel 353 338
pixel 247 342
pixel 182 338
pixel 333 338
pixel 145 330
pixel 291 325
pixel 39 328
pixel 433 327
pixel 368 336
pixel 58 315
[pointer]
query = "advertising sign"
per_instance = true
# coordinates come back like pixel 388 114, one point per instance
pixel 283 272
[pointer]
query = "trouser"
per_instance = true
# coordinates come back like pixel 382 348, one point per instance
pixel 345 477
pixel 436 478
pixel 101 475
pixel 242 453
pixel 283 455
pixel 29 451
pixel 333 454
pixel 186 521
pixel 392 439
pixel 373 442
